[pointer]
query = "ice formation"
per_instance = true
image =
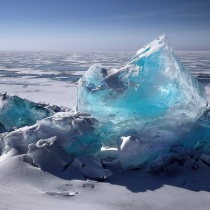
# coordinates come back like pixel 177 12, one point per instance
pixel 55 142
pixel 146 106
pixel 16 112
pixel 75 133
pixel 91 167
pixel 151 110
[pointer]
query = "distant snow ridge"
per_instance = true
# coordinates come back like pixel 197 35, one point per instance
pixel 153 110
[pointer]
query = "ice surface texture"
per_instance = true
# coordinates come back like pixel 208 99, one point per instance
pixel 151 103
pixel 16 112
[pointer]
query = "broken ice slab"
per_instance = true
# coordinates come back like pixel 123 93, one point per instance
pixel 153 98
pixel 74 134
pixel 16 112
pixel 91 167
pixel 48 155
pixel 153 83
pixel 154 88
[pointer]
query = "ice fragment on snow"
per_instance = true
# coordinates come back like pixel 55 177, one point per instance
pixel 91 167
pixel 48 155
pixel 75 133
pixel 16 112
pixel 154 98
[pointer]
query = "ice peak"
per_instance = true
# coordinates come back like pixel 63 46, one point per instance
pixel 163 38
pixel 153 46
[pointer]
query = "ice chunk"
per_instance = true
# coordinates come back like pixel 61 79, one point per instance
pixel 91 167
pixel 134 151
pixel 16 112
pixel 48 155
pixel 75 134
pixel 154 98
pixel 205 158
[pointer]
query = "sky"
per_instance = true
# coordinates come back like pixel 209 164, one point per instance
pixel 103 25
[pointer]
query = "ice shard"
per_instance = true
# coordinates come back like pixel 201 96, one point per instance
pixel 153 99
pixel 16 112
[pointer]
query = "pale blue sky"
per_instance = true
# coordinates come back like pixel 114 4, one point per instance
pixel 103 25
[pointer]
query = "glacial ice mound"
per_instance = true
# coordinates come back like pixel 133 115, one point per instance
pixel 151 103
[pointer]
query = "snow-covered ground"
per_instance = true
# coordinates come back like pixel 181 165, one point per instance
pixel 26 187
pixel 51 78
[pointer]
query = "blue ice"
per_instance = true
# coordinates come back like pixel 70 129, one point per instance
pixel 148 105
pixel 16 112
